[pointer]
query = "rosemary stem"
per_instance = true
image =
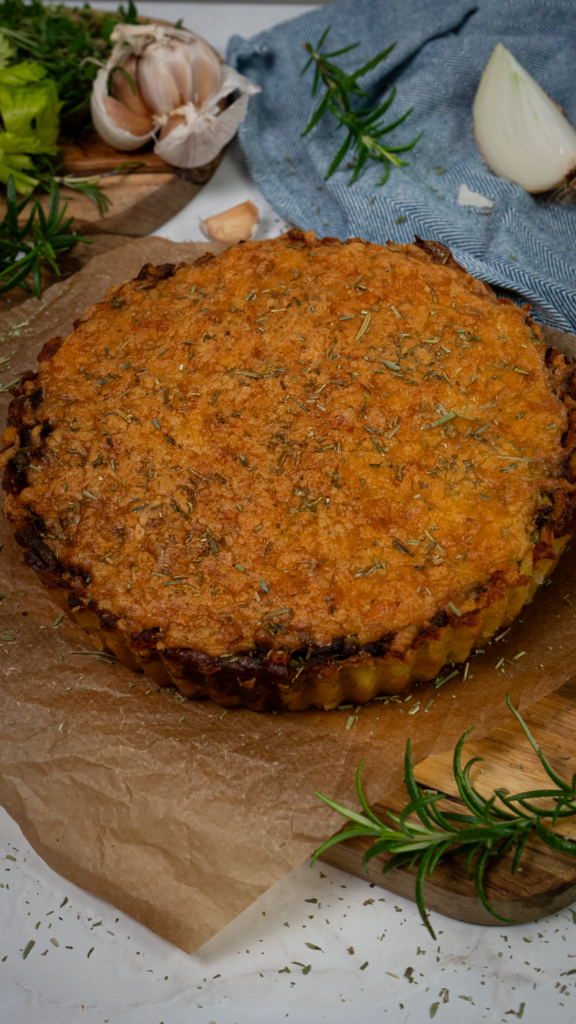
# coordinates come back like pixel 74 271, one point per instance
pixel 365 126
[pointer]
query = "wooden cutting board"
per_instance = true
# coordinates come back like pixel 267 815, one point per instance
pixel 546 881
pixel 143 196
pixel 148 194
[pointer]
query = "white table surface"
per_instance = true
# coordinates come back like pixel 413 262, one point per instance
pixel 105 967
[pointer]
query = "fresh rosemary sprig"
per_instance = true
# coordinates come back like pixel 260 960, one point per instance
pixel 487 832
pixel 87 186
pixel 49 171
pixel 365 128
pixel 42 237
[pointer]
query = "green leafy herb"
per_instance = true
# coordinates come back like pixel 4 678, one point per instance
pixel 42 237
pixel 364 127
pixel 29 109
pixel 487 832
pixel 61 39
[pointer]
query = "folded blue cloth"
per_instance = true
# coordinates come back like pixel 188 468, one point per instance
pixel 521 244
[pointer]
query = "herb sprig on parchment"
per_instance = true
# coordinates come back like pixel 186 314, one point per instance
pixel 365 127
pixel 487 832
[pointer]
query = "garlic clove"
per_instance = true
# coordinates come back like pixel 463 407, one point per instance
pixel 136 124
pixel 165 76
pixel 238 224
pixel 122 89
pixel 207 71
pixel 116 134
pixel 521 132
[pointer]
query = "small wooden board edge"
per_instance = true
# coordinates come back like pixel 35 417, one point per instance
pixel 545 882
pixel 85 157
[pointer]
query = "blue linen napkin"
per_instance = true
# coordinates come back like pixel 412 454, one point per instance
pixel 521 244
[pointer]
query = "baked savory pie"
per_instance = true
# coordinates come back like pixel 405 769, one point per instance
pixel 298 473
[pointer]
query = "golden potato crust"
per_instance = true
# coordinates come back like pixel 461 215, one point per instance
pixel 300 445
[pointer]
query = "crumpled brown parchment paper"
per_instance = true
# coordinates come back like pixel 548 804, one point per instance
pixel 178 813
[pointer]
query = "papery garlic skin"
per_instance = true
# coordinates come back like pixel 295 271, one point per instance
pixel 199 137
pixel 196 139
pixel 180 85
pixel 521 133
pixel 238 224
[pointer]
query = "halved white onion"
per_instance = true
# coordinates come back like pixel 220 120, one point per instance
pixel 521 132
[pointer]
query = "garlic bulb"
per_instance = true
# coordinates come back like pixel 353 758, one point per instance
pixel 167 84
pixel 521 133
pixel 238 224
